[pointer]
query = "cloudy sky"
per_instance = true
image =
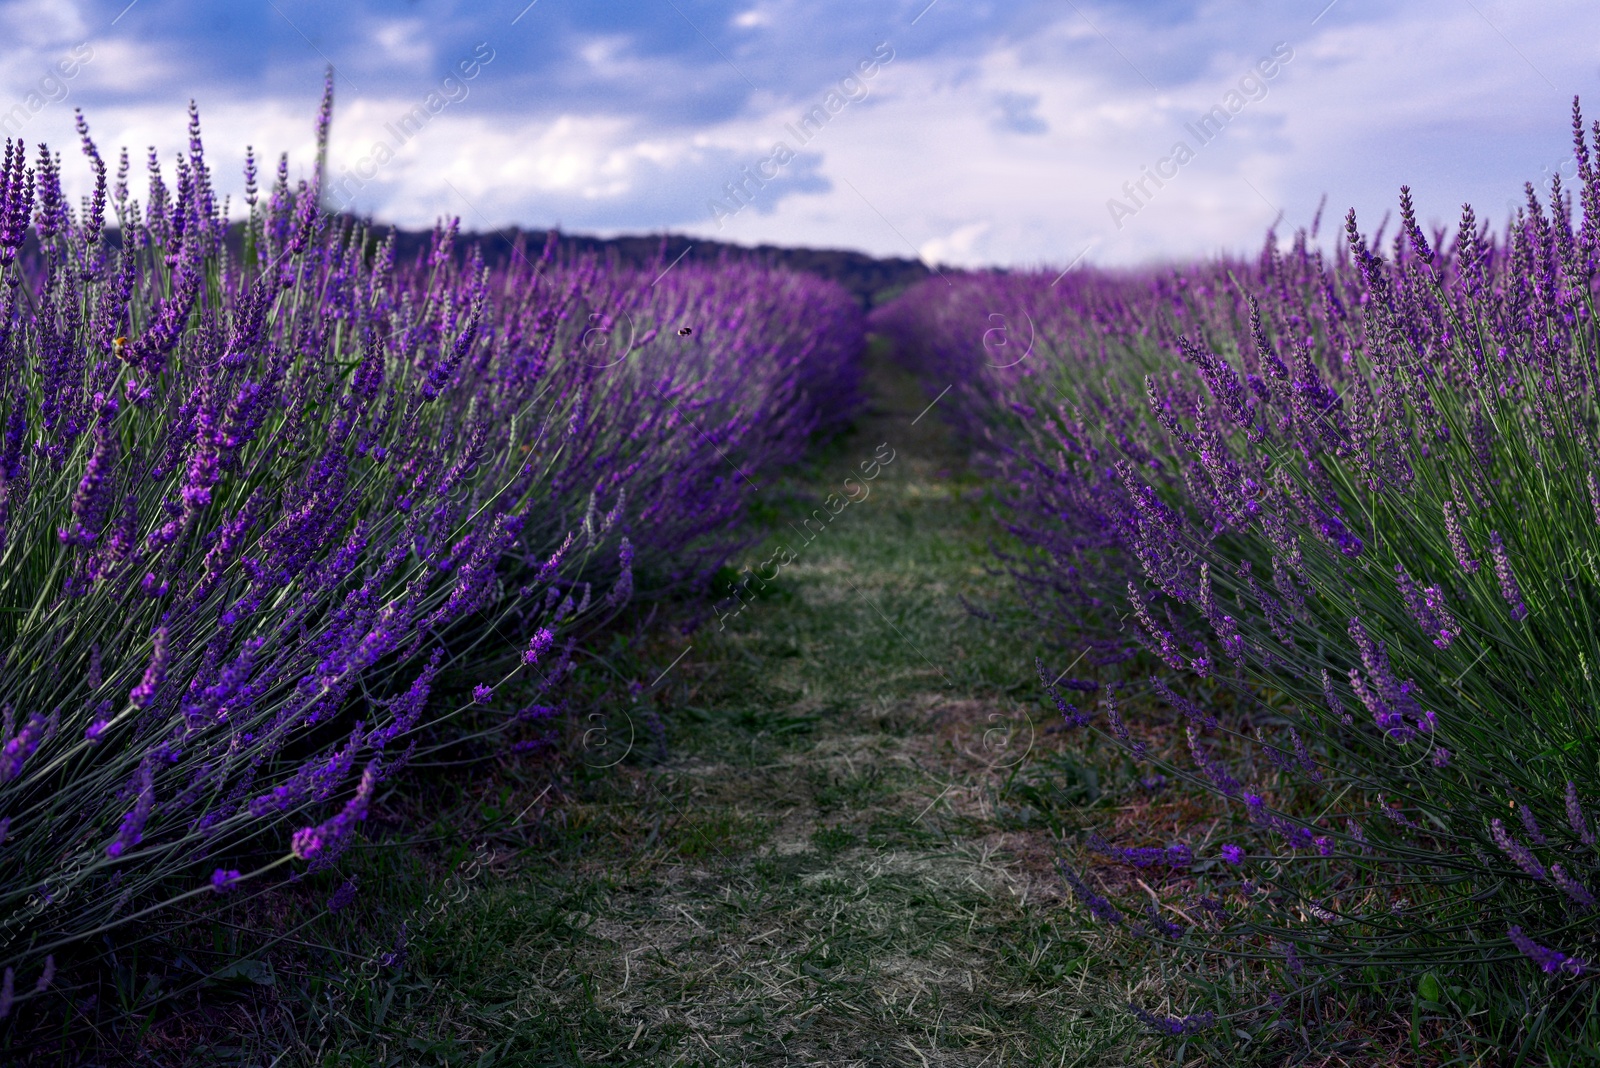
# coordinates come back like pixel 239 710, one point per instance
pixel 966 132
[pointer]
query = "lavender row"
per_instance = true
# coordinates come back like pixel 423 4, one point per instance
pixel 253 505
pixel 1346 503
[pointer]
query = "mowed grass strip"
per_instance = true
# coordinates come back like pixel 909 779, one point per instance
pixel 846 857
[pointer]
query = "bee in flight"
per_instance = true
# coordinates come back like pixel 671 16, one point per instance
pixel 685 331
pixel 119 348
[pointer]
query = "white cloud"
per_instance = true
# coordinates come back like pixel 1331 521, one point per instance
pixel 404 41
pixel 1434 96
pixel 958 245
pixel 27 25
pixel 1456 101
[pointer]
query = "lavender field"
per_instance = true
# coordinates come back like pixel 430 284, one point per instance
pixel 772 640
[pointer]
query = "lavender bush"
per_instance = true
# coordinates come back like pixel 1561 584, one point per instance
pixel 1348 504
pixel 253 503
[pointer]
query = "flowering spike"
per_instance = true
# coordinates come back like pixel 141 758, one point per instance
pixel 1098 906
pixel 1458 540
pixel 1508 579
pixel 1549 960
pixel 1575 817
pixel 1519 853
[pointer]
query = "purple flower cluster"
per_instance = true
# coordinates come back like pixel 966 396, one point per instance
pixel 1575 817
pixel 324 842
pixel 131 832
pixel 260 478
pixel 1550 961
pixel 345 895
pixel 1213 769
pixel 1401 434
pixel 1297 835
pixel 1097 905
pixel 1177 855
pixel 1508 579
pixel 1070 715
pixel 1520 854
pixel 1175 1025
pixel 1119 728
pixel 1427 608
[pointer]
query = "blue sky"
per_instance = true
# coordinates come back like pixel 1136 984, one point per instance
pixel 969 133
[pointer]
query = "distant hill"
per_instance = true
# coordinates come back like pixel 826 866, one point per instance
pixel 873 281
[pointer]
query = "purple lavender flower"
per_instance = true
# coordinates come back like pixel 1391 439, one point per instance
pixel 1396 815
pixel 223 879
pixel 1575 817
pixel 1213 770
pixel 623 590
pixel 131 833
pixel 1069 712
pixel 1427 608
pixel 1174 1025
pixel 1161 926
pixel 1302 755
pixel 1531 826
pixel 1175 856
pixel 1291 959
pixel 324 842
pixel 538 646
pixel 1389 700
pixel 1519 853
pixel 1508 579
pixel 1441 757
pixel 1280 759
pixel 1549 960
pixel 1571 887
pixel 91 502
pixel 552 565
pixel 1458 540
pixel 407 709
pixel 1207 720
pixel 344 896
pixel 1334 704
pixel 154 674
pixel 1232 854
pixel 1119 728
pixel 482 693
pixel 19 748
pixel 16 201
pixel 316 779
pixel 1164 644
pixel 1098 906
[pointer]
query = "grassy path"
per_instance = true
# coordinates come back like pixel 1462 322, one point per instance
pixel 846 856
